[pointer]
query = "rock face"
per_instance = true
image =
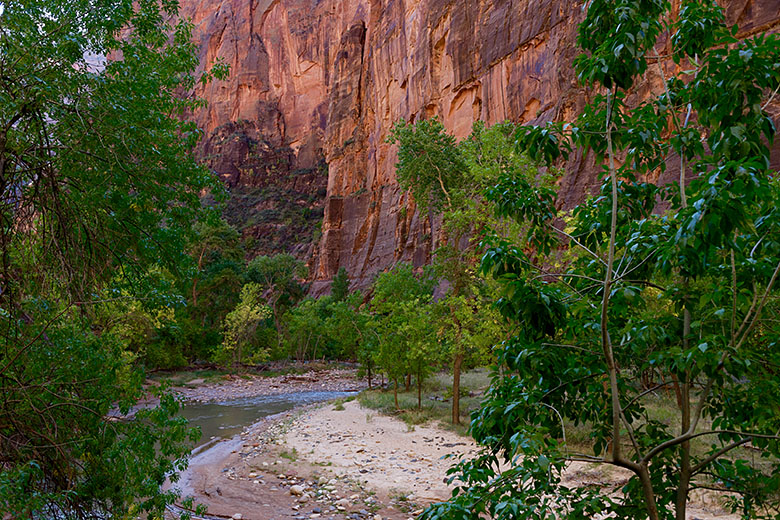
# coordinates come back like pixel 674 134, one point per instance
pixel 317 84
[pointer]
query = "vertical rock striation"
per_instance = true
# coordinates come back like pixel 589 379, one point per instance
pixel 321 82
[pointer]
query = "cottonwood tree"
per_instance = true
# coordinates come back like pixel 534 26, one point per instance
pixel 449 179
pixel 401 326
pixel 340 287
pixel 241 324
pixel 643 287
pixel 98 191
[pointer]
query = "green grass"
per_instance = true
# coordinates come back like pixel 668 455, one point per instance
pixel 291 455
pixel 661 406
pixel 436 400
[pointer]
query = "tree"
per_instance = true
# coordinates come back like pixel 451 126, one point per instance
pixel 617 288
pixel 399 297
pixel 340 288
pixel 241 326
pixel 348 326
pixel 306 332
pixel 451 179
pixel 280 276
pixel 467 329
pixel 215 242
pixel 415 326
pixel 99 192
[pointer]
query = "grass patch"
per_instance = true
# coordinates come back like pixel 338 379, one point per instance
pixel 290 455
pixel 436 400
pixel 338 404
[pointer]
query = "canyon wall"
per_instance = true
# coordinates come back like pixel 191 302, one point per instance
pixel 316 85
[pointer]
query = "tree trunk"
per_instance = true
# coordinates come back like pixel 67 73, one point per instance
pixel 395 395
pixel 419 392
pixel 368 366
pixel 408 382
pixel 456 388
pixel 683 486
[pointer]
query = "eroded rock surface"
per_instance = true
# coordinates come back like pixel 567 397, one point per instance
pixel 317 84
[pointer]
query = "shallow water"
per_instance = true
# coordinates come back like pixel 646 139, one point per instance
pixel 224 419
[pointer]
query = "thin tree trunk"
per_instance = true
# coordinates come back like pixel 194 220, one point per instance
pixel 683 486
pixel 456 388
pixel 606 342
pixel 419 391
pixel 408 382
pixel 395 394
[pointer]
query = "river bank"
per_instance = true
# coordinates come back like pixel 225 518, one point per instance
pixel 339 460
pixel 238 386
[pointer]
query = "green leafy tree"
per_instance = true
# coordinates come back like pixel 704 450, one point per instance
pixel 306 331
pixel 348 326
pixel 616 290
pixel 467 328
pixel 415 328
pixel 451 179
pixel 399 294
pixel 241 325
pixel 99 192
pixel 214 243
pixel 340 288
pixel 280 277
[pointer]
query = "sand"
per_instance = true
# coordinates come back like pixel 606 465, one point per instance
pixel 383 452
pixel 375 466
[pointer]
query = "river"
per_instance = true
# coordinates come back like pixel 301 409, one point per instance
pixel 225 419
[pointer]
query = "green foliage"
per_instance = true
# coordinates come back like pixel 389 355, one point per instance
pixel 241 326
pixel 280 276
pixel 405 343
pixel 429 163
pixel 62 451
pixel 471 168
pixel 99 196
pixel 306 334
pixel 340 288
pixel 348 326
pixel 615 300
pixel 468 327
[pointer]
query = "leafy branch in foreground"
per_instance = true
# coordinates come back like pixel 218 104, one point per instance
pixel 98 196
pixel 642 288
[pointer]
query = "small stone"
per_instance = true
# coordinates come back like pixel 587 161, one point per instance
pixel 296 490
pixel 342 502
pixel 316 510
pixel 303 499
pixel 237 516
pixel 377 517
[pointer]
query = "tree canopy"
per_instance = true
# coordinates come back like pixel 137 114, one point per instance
pixel 643 288
pixel 99 192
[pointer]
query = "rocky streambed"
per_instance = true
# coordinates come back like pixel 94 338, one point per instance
pixel 334 461
pixel 258 456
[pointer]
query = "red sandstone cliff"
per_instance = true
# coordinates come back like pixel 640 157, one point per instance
pixel 317 82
